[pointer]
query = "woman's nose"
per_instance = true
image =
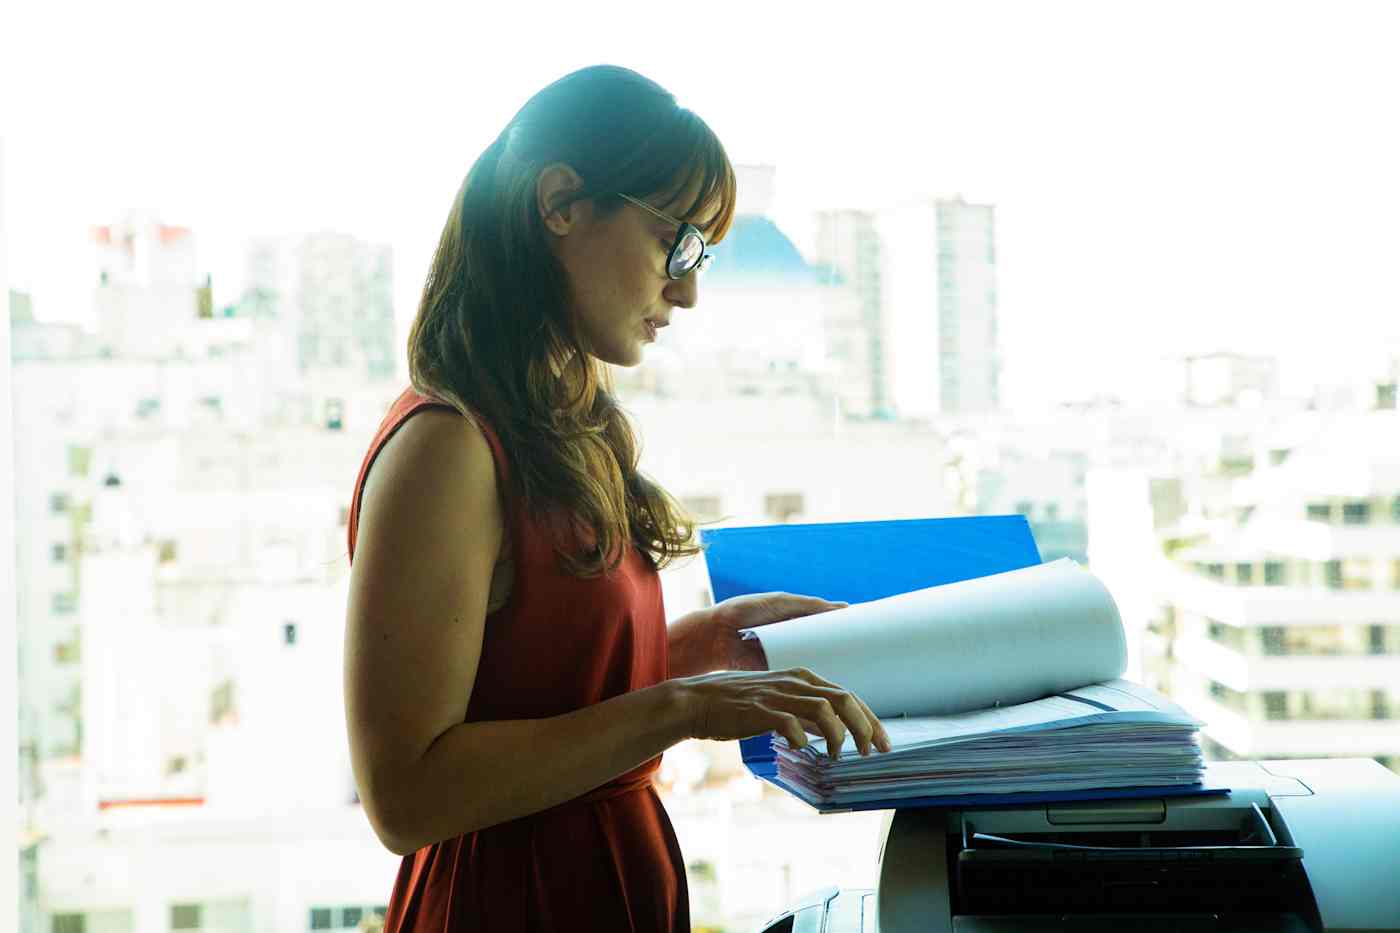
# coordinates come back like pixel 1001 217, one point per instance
pixel 684 291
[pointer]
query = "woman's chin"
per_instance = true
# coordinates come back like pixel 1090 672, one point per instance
pixel 627 358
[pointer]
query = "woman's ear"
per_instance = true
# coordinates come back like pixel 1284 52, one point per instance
pixel 556 183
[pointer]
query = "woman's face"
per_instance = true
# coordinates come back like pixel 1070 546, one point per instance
pixel 616 266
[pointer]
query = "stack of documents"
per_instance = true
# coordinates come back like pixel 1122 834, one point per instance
pixel 1008 683
pixel 1111 735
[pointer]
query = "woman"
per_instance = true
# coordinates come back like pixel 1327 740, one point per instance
pixel 510 678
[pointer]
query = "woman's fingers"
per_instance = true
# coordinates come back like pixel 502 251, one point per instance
pixel 849 711
pixel 793 703
pixel 877 734
pixel 790 728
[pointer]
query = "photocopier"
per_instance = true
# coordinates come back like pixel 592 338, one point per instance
pixel 1296 845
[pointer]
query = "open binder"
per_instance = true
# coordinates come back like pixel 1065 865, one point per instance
pixel 862 561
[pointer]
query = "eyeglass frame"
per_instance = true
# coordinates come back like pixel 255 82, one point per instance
pixel 683 230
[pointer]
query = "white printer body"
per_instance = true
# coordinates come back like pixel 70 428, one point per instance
pixel 1299 846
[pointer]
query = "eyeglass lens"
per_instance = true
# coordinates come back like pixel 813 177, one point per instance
pixel 686 255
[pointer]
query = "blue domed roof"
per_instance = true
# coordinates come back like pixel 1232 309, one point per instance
pixel 757 253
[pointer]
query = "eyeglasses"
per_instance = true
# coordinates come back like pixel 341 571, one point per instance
pixel 688 252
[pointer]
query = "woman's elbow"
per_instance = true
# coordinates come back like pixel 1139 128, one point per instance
pixel 388 824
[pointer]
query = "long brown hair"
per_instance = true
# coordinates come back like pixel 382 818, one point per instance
pixel 494 335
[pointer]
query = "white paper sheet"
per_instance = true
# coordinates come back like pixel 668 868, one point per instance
pixel 992 641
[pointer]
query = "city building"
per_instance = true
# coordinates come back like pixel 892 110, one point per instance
pixel 1263 594
pixel 848 256
pixel 331 298
pixel 1284 630
pixel 939 287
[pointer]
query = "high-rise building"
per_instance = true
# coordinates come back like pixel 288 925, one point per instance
pixel 331 298
pixel 939 287
pixel 848 255
pixel 343 306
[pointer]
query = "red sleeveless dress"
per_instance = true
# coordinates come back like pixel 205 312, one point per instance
pixel 608 860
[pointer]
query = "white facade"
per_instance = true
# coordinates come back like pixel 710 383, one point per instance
pixel 940 290
pixel 1280 625
pixel 327 301
pixel 849 247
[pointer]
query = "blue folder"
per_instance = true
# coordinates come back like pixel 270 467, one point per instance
pixel 860 561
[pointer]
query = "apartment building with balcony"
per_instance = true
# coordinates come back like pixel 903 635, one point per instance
pixel 1282 632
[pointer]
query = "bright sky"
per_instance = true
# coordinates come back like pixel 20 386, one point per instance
pixel 1169 177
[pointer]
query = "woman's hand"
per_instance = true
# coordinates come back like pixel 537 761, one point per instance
pixel 710 640
pixel 738 704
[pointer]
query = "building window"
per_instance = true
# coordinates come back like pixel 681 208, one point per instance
pixel 221 702
pixel 1356 513
pixel 184 917
pixel 69 923
pixel 1380 705
pixel 320 918
pixel 289 633
pixel 1356 574
pixel 169 551
pixel 67 652
pixel 1332 574
pixel 1228 697
pixel 79 460
pixel 60 553
pixel 1275 704
pixel 782 506
pixel 1275 573
pixel 1215 571
pixel 65 604
pixel 1271 639
pixel 1227 635
pixel 1395 510
pixel 1319 512
pixel 335 414
pixel 1244 574
pixel 350 917
pixel 58 503
pixel 703 508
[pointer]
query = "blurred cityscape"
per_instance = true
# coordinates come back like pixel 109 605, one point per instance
pixel 182 488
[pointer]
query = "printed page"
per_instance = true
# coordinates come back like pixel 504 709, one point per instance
pixel 992 641
pixel 1118 706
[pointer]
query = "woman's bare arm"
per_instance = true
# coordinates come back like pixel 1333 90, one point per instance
pixel 429 532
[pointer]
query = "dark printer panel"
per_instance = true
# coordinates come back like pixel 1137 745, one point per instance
pixel 1144 873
